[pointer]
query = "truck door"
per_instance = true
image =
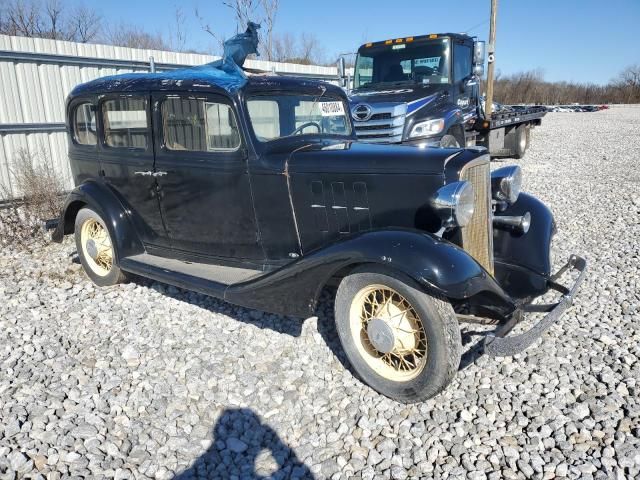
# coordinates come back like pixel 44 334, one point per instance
pixel 203 180
pixel 126 161
pixel 466 84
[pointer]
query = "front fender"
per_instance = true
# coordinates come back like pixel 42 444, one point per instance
pixel 522 261
pixel 436 265
pixel 105 203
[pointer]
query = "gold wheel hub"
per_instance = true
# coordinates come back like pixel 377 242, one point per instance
pixel 96 246
pixel 388 333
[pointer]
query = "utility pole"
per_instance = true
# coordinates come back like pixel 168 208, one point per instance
pixel 491 49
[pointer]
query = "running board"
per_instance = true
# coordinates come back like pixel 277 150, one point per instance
pixel 200 277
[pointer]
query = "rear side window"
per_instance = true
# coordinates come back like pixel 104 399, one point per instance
pixel 84 125
pixel 125 123
pixel 199 125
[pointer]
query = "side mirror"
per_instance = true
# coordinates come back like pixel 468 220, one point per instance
pixel 478 52
pixel 341 70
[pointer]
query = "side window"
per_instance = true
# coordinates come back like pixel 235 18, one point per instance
pixel 84 125
pixel 197 125
pixel 265 118
pixel 125 122
pixel 461 62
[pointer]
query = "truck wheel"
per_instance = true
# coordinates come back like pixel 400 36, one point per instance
pixel 519 146
pixel 96 250
pixel 402 342
pixel 449 141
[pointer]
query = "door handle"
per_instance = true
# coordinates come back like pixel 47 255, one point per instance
pixel 144 174
pixel 159 174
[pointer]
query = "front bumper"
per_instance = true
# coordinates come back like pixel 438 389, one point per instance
pixel 497 343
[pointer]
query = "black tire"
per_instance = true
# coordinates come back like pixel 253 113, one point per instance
pixel 441 329
pixel 449 140
pixel 519 145
pixel 106 277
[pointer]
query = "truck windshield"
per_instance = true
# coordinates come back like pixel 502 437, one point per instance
pixel 424 62
pixel 277 116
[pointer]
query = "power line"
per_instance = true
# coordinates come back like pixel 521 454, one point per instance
pixel 476 26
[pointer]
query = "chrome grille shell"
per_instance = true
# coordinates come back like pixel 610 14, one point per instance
pixel 477 236
pixel 385 124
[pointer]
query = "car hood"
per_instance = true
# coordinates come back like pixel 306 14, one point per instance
pixel 358 157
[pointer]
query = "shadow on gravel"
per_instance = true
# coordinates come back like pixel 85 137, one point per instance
pixel 278 323
pixel 327 328
pixel 243 447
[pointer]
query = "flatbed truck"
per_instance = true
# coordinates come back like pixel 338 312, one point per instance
pixel 425 91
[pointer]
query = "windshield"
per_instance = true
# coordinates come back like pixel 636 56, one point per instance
pixel 420 62
pixel 277 116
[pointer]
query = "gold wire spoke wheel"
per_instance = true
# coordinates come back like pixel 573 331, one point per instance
pixel 388 333
pixel 96 247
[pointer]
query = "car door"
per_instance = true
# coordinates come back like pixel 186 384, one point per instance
pixel 126 161
pixel 466 90
pixel 203 180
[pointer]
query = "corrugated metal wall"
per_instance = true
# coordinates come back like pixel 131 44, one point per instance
pixel 37 74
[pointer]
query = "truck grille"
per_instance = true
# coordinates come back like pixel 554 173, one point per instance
pixel 477 237
pixel 384 125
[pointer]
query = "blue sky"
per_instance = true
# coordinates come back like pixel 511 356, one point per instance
pixel 578 40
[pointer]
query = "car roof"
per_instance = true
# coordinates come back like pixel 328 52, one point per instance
pixel 201 78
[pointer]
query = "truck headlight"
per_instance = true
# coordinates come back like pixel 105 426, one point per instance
pixel 506 183
pixel 427 128
pixel 454 203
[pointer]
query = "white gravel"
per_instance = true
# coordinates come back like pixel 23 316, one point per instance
pixel 144 380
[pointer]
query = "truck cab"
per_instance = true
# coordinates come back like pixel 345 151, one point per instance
pixel 425 91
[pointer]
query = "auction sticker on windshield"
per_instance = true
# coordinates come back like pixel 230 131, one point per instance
pixel 331 109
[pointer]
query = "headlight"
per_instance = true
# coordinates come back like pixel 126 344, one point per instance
pixel 506 183
pixel 454 203
pixel 427 128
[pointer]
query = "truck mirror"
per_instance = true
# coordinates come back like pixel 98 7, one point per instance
pixel 341 71
pixel 478 52
pixel 478 70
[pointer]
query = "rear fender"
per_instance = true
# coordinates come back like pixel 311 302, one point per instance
pixel 438 266
pixel 105 203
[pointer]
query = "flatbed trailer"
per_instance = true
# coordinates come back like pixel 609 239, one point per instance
pixel 508 133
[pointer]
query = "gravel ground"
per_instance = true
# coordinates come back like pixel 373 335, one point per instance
pixel 144 380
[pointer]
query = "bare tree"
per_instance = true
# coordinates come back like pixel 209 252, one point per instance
pixel 305 49
pixel 31 18
pixel 131 36
pixel 530 87
pixel 178 40
pixel 21 18
pixel 55 22
pixel 270 11
pixel 244 11
pixel 86 24
pixel 206 26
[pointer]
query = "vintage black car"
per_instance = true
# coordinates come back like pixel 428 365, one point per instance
pixel 255 190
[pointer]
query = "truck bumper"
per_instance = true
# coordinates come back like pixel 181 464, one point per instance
pixel 497 343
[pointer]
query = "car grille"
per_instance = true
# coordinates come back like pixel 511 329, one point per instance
pixel 385 125
pixel 477 236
